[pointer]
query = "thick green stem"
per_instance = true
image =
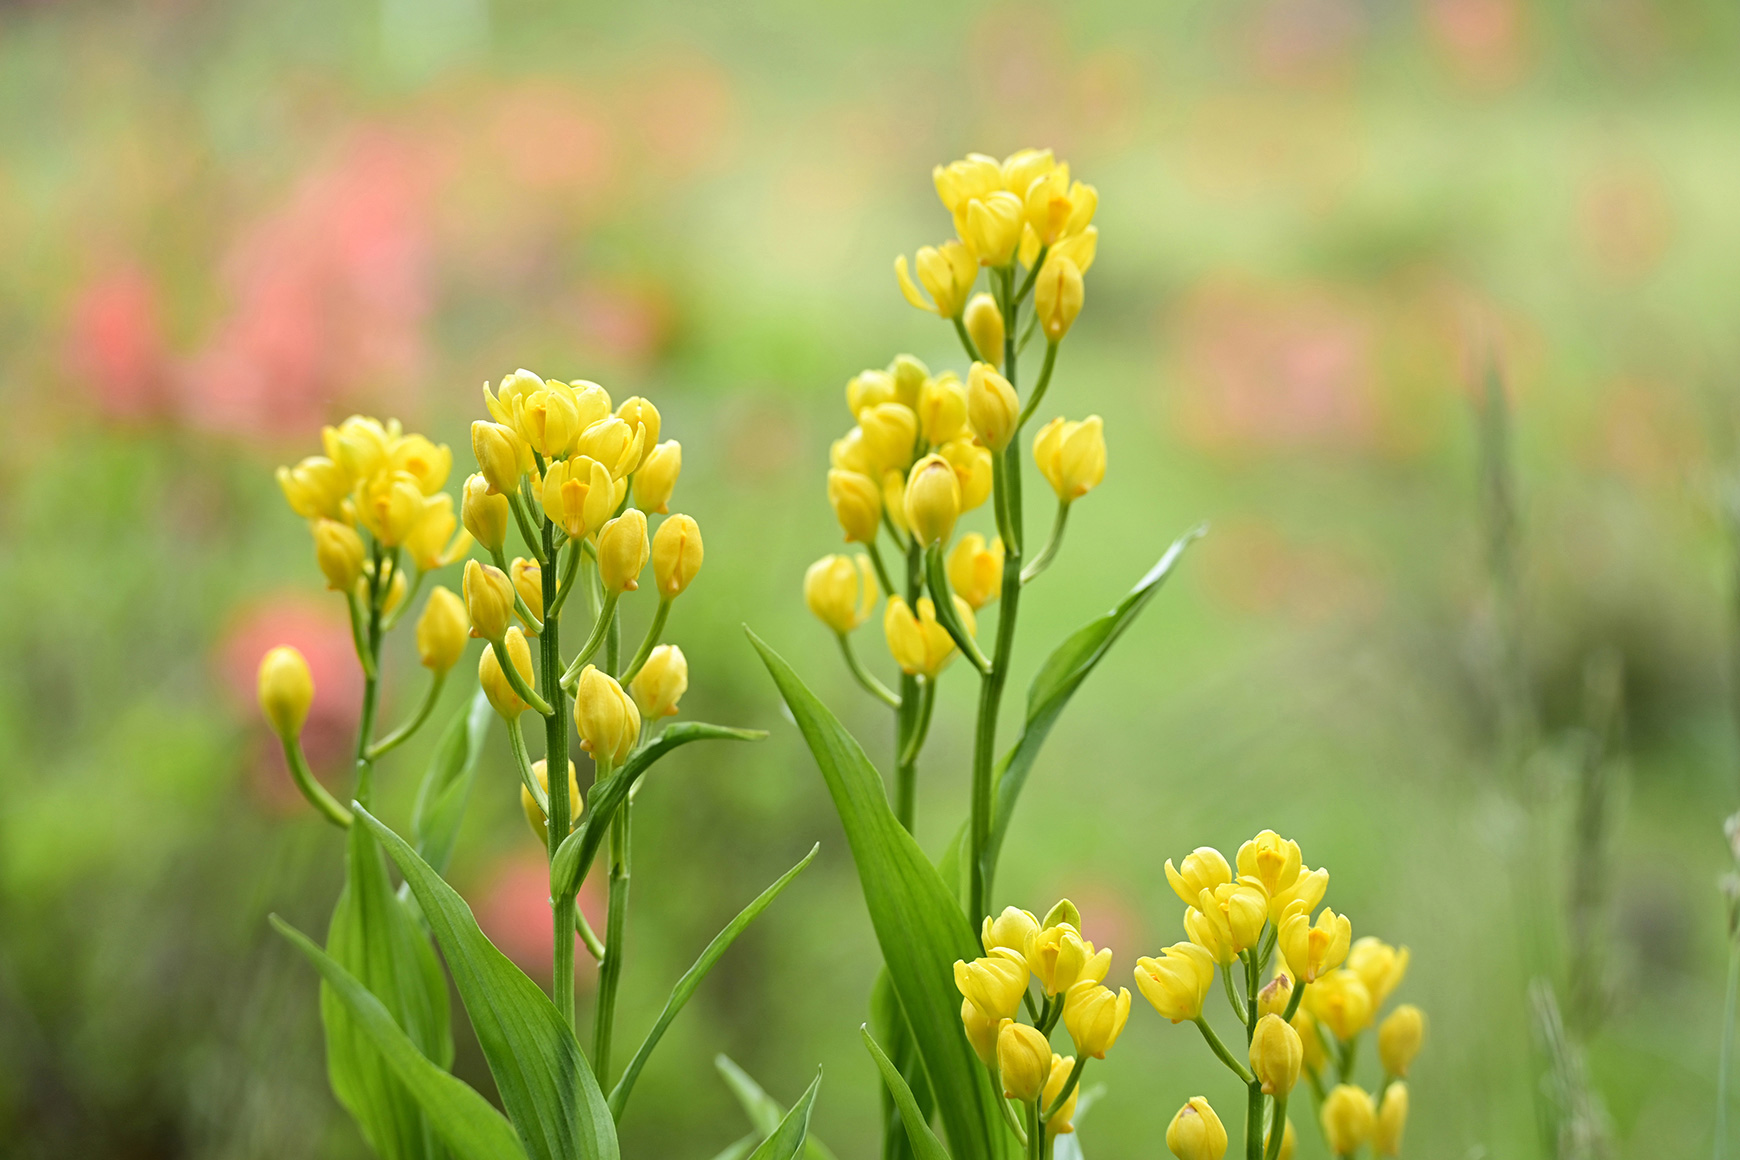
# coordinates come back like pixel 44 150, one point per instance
pixel 615 927
pixel 560 811
pixel 403 733
pixel 863 675
pixel 1043 560
pixel 653 631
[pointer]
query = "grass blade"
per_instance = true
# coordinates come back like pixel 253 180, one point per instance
pixel 925 1145
pixel 788 1137
pixel 763 1111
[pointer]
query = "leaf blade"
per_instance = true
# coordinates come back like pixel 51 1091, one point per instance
pixel 446 786
pixel 788 1137
pixel 925 1145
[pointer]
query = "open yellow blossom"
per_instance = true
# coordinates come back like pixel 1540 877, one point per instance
pixel 1203 869
pixel 614 443
pixel 947 272
pixel 1312 951
pixel 579 495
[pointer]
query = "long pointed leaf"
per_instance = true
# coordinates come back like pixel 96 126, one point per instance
pixel 925 1145
pixel 446 786
pixel 788 1138
pixel 763 1111
pixel 466 1122
pixel 691 980
pixel 546 1086
pixel 919 924
pixel 1058 679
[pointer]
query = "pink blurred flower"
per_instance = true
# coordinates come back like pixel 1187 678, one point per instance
pixel 1625 220
pixel 1256 568
pixel 1306 39
pixel 549 137
pixel 1482 39
pixel 514 912
pixel 682 111
pixel 115 344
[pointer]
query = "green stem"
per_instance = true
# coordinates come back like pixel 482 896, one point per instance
pixel 1347 1050
pixel 1254 1121
pixel 1039 387
pixel 600 633
pixel 921 726
pixel 1232 995
pixel 535 625
pixel 615 927
pixel 1068 1087
pixel 966 340
pixel 1277 1127
pixel 946 614
pixel 1035 1133
pixel 653 631
pixel 560 811
pixel 518 682
pixel 528 530
pixel 404 606
pixel 1220 1050
pixel 565 584
pixel 1043 560
pixel 1293 1003
pixel 588 939
pixel 365 729
pixel 864 677
pixel 881 569
pixel 311 789
pixel 403 733
pixel 1724 1060
pixel 523 760
pixel 1032 274
pixel 357 638
pixel 1008 1112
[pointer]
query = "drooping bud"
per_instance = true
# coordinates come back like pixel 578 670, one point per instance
pixel 657 477
pixel 992 406
pixel 622 551
pixel 286 690
pixel 484 513
pixel 339 552
pixel 1348 1119
pixel 976 570
pixel 605 716
pixel 495 684
pixel 933 500
pixel 984 323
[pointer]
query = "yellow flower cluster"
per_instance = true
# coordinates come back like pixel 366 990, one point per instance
pixel 1021 950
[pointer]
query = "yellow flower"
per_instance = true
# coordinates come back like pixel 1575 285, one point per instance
pixel 1347 1119
pixel 622 551
pixel 549 419
pixel 1399 1038
pixel 1203 869
pixel 339 552
pixel 1094 1016
pixel 432 543
pixel 594 404
pixel 1072 457
pixel 286 690
pixel 975 175
pixel 1274 998
pixel 502 456
pixel 315 488
pixel 946 271
pixel 942 408
pixel 1228 919
pixel 390 505
pixel 1380 965
pixel 508 403
pixel 1060 958
pixel 1392 1120
pixel 442 630
pixel 579 495
pixel 360 445
pixel 614 443
pixel 993 984
pixel 1196 1133
pixel 605 717
pixel 1341 1003
pixel 1178 982
pixel 1057 297
pixel 992 227
pixel 890 435
pixel 396 586
pixel 535 816
pixel 984 323
pixel 894 498
pixel 909 375
pixel 981 1031
pixel 1313 951
pixel 992 406
pixel 1308 888
pixel 870 388
pixel 1056 209
pixel 643 417
pixel 528 581
pixel 1008 930
pixel 1025 166
pixel 976 570
pixel 1023 1060
pixel 972 464
pixel 423 461
pixel 921 646
pixel 933 500
pixel 1276 1055
pixel 676 555
pixel 1289 1141
pixel 484 513
pixel 1061 1121
pixel 657 477
pixel 841 591
pixel 489 599
pixel 1077 248
pixel 495 684
pixel 1272 860
pixel 661 682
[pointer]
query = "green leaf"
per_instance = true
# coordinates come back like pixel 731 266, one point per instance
pixel 788 1137
pixel 447 783
pixel 889 1023
pixel 546 1086
pixel 919 924
pixel 1057 680
pixel 691 980
pixel 376 940
pixel 574 856
pixel 763 1110
pixel 925 1145
pixel 466 1122
pixel 741 1148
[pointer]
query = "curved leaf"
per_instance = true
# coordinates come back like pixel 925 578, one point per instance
pixel 763 1111
pixel 788 1138
pixel 919 924
pixel 546 1086
pixel 446 785
pixel 466 1122
pixel 925 1145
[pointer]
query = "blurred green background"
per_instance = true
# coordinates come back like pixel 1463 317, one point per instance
pixel 225 223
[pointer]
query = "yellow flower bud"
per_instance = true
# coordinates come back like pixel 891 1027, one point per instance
pixel 857 504
pixel 489 599
pixel 1056 209
pixel 657 477
pixel 1078 248
pixel 661 682
pixel 933 500
pixel 528 581
pixel 993 984
pixel 890 435
pixel 1289 1141
pixel 1061 1121
pixel 1008 930
pixel 976 570
pixel 508 401
pixel 1347 1119
pixel 1380 966
pixel 1059 957
pixel 1023 1060
pixel 442 630
pixel 870 388
pixel 676 555
pixel 360 445
pixel 1094 1016
pixel 1313 951
pixel 315 488
pixel 390 505
pixel 841 591
pixel 1308 888
pixel 1392 1120
pixel 593 402
pixel 286 690
pixel 946 271
pixel 495 684
pixel 1228 919
pixel 1071 456
pixel 1272 860
pixel 975 175
pixel 921 646
pixel 1274 998
pixel 849 453
pixel 909 375
pixel 643 417
pixel 1203 869
pixel 1341 1003
pixel 993 227
pixel 535 816
pixel 1276 1055
pixel 992 406
pixel 622 551
pixel 579 495
pixel 432 544
pixel 1057 297
pixel 972 464
pixel 549 419
pixel 984 323
pixel 339 552
pixel 501 456
pixel 981 1032
pixel 484 513
pixel 1196 1133
pixel 1178 982
pixel 424 461
pixel 614 443
pixel 942 409
pixel 1025 166
pixel 606 717
pixel 1399 1038
pixel 396 586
